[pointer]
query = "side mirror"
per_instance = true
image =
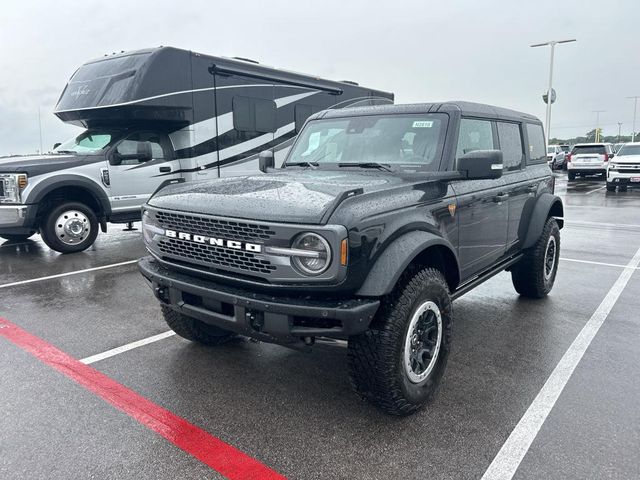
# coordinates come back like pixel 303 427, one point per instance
pixel 56 145
pixel 481 164
pixel 611 155
pixel 266 160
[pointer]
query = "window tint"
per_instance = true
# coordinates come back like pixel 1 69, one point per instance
pixel 302 112
pixel 474 135
pixel 139 144
pixel 254 114
pixel 580 149
pixel 510 145
pixel 629 150
pixel 537 152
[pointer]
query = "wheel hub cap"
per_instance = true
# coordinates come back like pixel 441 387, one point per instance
pixel 72 227
pixel 423 341
pixel 550 257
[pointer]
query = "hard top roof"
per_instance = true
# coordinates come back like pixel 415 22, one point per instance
pixel 465 108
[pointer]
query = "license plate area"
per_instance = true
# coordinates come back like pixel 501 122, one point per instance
pixel 635 179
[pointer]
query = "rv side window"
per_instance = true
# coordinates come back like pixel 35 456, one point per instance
pixel 537 152
pixel 302 112
pixel 254 115
pixel 510 145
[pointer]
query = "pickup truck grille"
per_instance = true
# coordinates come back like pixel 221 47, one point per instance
pixel 211 227
pixel 215 256
pixel 632 169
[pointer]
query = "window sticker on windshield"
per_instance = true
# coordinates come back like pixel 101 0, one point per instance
pixel 423 124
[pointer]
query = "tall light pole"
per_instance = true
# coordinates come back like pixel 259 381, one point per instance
pixel 635 108
pixel 597 135
pixel 552 44
pixel 619 128
pixel 40 129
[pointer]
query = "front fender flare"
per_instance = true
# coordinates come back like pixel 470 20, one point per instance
pixel 394 260
pixel 541 211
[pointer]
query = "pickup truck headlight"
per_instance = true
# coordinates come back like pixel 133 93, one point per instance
pixel 150 228
pixel 11 184
pixel 314 255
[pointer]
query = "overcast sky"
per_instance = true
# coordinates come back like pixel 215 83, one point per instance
pixel 420 50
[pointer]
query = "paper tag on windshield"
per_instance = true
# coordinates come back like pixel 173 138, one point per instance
pixel 423 124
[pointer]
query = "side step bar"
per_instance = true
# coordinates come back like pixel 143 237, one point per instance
pixel 483 277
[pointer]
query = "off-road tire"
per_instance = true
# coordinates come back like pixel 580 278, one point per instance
pixel 611 187
pixel 195 330
pixel 528 275
pixel 376 357
pixel 48 227
pixel 16 238
pixel 571 176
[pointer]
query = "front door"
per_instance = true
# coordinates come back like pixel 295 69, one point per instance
pixel 138 165
pixel 482 207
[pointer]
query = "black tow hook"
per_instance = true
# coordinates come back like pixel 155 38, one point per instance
pixel 161 294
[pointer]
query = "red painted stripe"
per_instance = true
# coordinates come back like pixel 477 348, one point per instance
pixel 217 454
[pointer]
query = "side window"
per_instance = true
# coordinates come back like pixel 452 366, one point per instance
pixel 139 147
pixel 254 115
pixel 302 112
pixel 510 145
pixel 537 153
pixel 474 135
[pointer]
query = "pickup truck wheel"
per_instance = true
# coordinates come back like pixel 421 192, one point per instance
pixel 195 330
pixel 533 276
pixel 16 238
pixel 70 227
pixel 398 363
pixel 571 176
pixel 611 187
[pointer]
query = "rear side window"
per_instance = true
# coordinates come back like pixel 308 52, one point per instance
pixel 580 149
pixel 254 114
pixel 510 145
pixel 537 152
pixel 474 135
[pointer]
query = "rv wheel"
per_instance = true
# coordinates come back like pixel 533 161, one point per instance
pixel 69 227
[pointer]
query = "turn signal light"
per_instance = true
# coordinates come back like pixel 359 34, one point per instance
pixel 343 252
pixel 22 181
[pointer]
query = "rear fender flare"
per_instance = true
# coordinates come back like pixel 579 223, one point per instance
pixel 547 205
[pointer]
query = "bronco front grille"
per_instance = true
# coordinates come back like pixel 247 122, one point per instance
pixel 215 256
pixel 211 227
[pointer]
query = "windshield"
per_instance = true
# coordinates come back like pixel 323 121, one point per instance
pixel 629 150
pixel 551 149
pixel 411 141
pixel 580 149
pixel 88 142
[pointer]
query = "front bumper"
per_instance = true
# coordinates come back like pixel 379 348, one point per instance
pixel 273 319
pixel 17 219
pixel 619 178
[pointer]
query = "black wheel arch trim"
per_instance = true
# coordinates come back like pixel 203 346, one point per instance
pixel 544 205
pixel 42 189
pixel 395 259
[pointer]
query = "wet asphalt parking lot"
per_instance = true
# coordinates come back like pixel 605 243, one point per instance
pixel 515 373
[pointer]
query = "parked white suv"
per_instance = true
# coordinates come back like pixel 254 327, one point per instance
pixel 589 159
pixel 624 170
pixel 554 155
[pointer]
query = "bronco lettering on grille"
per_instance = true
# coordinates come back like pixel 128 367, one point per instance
pixel 216 242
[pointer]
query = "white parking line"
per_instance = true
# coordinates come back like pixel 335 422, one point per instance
pixel 591 262
pixel 66 274
pixel 599 224
pixel 589 193
pixel 507 461
pixel 127 347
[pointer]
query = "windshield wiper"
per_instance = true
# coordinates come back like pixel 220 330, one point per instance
pixel 380 166
pixel 313 165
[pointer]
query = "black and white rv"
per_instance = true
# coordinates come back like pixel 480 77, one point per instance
pixel 154 117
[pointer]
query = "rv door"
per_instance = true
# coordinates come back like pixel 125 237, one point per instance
pixel 138 165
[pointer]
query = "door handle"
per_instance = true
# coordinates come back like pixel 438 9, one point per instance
pixel 165 169
pixel 501 197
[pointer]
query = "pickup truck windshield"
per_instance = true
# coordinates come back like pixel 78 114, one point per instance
pixel 412 141
pixel 88 142
pixel 629 150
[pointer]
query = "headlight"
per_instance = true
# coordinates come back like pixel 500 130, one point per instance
pixel 11 184
pixel 613 166
pixel 150 228
pixel 318 258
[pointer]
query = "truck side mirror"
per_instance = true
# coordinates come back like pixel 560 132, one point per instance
pixel 56 145
pixel 481 164
pixel 266 160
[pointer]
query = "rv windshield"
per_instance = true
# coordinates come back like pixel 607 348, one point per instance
pixel 412 141
pixel 87 143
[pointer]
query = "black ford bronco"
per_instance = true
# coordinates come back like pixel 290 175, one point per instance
pixel 379 218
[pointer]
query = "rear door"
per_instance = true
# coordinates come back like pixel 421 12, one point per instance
pixel 482 207
pixel 138 165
